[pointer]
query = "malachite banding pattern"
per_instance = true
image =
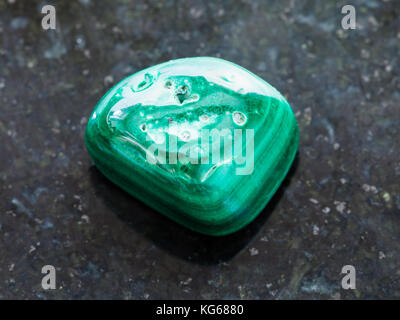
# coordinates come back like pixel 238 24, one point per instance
pixel 155 134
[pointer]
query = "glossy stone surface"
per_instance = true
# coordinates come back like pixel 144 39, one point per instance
pixel 138 130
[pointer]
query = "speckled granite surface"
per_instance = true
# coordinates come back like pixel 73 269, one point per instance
pixel 340 204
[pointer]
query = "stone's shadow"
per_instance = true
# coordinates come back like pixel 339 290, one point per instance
pixel 174 238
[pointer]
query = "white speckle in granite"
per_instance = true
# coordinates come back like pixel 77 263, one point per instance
pixel 388 68
pixel 340 206
pixel 326 210
pixel 381 255
pixel 315 230
pixel 21 208
pixel 186 282
pixel 386 196
pixel 108 80
pixel 196 12
pixel 87 54
pixel 307 116
pixel 336 146
pixel 253 251
pixel 80 42
pixel 365 78
pixel 313 200
pixel 30 64
pixel 83 120
pixel 368 188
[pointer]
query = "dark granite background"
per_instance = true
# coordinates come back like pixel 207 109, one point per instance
pixel 339 205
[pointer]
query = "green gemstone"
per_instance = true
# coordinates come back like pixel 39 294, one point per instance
pixel 202 140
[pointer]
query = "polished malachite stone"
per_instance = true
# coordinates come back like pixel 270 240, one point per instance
pixel 202 140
